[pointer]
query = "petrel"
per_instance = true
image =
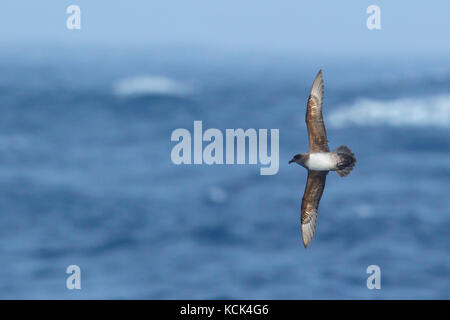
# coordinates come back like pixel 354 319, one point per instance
pixel 319 160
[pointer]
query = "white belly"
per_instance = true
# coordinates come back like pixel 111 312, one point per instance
pixel 321 161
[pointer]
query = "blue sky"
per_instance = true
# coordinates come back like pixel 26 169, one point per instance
pixel 334 27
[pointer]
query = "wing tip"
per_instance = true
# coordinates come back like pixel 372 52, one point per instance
pixel 319 74
pixel 308 230
pixel 305 244
pixel 317 87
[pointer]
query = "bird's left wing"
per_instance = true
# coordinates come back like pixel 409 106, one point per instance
pixel 314 120
pixel 310 203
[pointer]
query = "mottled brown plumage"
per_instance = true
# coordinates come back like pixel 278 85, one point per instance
pixel 314 120
pixel 310 203
pixel 319 160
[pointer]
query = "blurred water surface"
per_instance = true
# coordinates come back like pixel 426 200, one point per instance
pixel 86 178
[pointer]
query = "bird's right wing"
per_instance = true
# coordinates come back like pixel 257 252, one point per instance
pixel 310 203
pixel 314 120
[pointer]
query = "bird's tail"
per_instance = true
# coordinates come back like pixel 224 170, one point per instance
pixel 346 161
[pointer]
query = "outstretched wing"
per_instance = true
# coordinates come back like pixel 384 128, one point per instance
pixel 310 203
pixel 314 121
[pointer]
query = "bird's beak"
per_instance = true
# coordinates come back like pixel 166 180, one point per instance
pixel 291 161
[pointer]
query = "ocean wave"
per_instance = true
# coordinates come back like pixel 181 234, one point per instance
pixel 425 111
pixel 151 85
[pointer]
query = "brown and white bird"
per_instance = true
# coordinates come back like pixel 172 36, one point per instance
pixel 319 160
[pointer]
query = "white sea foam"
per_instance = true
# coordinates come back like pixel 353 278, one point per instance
pixel 217 195
pixel 151 85
pixel 425 111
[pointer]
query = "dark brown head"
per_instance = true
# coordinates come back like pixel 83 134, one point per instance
pixel 300 159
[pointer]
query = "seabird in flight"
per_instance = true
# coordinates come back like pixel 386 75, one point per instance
pixel 319 160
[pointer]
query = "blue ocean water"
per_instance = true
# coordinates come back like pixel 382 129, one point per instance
pixel 86 178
